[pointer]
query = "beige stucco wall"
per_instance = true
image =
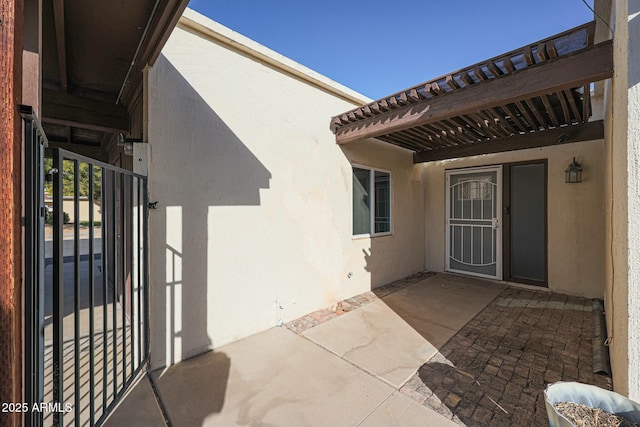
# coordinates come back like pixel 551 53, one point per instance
pixel 68 207
pixel 253 224
pixel 575 214
pixel 622 135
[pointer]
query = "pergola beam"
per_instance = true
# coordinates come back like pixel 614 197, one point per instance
pixel 564 135
pixel 69 110
pixel 588 65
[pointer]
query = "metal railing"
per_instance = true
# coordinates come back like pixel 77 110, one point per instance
pixel 35 142
pixel 87 297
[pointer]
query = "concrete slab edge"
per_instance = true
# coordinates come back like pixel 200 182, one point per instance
pixel 156 396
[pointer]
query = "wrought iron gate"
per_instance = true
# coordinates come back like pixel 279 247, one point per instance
pixel 86 283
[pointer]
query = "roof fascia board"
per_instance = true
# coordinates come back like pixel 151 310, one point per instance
pixel 564 135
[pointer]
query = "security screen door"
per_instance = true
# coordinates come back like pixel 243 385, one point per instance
pixel 474 206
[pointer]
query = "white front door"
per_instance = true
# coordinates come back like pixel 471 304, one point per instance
pixel 474 219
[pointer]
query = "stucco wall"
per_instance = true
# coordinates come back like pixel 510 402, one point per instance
pixel 575 214
pixel 253 224
pixel 622 134
pixel 68 207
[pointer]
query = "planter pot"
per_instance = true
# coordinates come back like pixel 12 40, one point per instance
pixel 588 395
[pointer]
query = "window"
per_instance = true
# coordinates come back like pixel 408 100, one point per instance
pixel 371 201
pixel 473 188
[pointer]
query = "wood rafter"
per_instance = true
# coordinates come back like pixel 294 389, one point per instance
pixel 565 107
pixel 542 123
pixel 586 102
pixel 58 16
pixel 95 152
pixel 552 115
pixel 514 117
pixel 434 137
pixel 582 132
pixel 69 110
pixel 525 112
pixel 553 75
pixel 574 107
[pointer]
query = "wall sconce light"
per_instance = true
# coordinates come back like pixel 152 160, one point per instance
pixel 573 173
pixel 127 144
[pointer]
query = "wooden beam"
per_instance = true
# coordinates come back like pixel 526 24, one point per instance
pixel 94 152
pixel 587 65
pixel 586 103
pixel 542 122
pixel 494 69
pixel 514 117
pixel 583 132
pixel 531 122
pixel 528 56
pixel 69 110
pixel 571 97
pixel 503 115
pixel 58 17
pixel 564 106
pixel 484 124
pixel 433 136
pixel 552 114
pixel 169 12
pixel 480 75
pixel 162 24
pixel 497 121
pixel 401 141
pixel 508 64
pixel 466 78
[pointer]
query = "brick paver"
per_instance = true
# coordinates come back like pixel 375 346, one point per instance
pixel 494 370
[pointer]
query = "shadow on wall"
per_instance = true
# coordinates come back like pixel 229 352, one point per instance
pixel 197 163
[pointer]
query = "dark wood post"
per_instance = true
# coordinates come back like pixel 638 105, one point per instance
pixel 11 30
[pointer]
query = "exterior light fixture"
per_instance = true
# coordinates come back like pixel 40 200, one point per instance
pixel 127 144
pixel 573 173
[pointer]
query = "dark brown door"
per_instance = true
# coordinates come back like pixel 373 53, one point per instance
pixel 525 222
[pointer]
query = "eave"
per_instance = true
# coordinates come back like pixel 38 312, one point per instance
pixel 92 62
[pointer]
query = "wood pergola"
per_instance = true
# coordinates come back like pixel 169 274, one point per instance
pixel 535 96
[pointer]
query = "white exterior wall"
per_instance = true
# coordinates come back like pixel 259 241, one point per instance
pixel 255 196
pixel 623 186
pixel 575 214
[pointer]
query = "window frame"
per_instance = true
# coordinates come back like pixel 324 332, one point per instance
pixel 372 210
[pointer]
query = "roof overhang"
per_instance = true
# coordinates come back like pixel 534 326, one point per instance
pixel 534 96
pixel 93 54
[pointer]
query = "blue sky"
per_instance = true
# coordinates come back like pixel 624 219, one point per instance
pixel 380 47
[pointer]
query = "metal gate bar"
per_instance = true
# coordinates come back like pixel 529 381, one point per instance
pixel 35 142
pixel 77 377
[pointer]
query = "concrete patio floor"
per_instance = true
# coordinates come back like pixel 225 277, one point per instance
pixel 376 362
